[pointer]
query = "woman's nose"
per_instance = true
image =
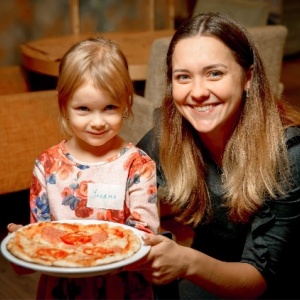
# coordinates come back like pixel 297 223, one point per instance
pixel 199 89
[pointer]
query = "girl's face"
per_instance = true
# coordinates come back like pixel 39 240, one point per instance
pixel 94 118
pixel 208 85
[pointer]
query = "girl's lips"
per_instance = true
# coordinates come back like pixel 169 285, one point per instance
pixel 97 133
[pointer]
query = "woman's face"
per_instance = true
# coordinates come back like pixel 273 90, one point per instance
pixel 208 85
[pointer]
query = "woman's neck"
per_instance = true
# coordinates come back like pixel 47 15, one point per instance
pixel 215 146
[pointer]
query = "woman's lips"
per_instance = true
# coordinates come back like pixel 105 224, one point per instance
pixel 204 108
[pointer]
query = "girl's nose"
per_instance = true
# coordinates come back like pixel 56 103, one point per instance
pixel 97 121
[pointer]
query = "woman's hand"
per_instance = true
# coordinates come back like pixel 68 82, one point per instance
pixel 167 261
pixel 163 263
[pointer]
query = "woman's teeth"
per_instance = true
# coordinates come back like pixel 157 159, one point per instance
pixel 204 108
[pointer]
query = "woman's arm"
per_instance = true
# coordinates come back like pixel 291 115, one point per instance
pixel 167 261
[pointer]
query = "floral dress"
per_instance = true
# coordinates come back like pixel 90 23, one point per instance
pixel 120 189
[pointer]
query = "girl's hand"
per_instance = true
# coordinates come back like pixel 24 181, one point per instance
pixel 163 263
pixel 12 227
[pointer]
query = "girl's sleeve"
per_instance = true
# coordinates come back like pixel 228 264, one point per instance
pixel 21 270
pixel 149 144
pixel 39 205
pixel 37 189
pixel 142 194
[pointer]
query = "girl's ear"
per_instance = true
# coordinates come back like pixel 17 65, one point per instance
pixel 125 113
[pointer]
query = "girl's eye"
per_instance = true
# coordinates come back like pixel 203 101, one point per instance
pixel 83 108
pixel 111 107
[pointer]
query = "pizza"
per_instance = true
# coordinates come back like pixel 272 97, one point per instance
pixel 65 244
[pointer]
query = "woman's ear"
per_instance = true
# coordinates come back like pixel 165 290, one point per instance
pixel 248 78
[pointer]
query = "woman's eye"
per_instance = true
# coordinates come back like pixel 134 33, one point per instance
pixel 182 77
pixel 215 73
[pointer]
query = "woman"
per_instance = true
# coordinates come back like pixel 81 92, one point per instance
pixel 228 153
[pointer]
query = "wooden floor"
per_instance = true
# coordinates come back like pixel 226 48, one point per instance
pixel 13 286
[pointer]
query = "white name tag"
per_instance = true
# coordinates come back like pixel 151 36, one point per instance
pixel 108 196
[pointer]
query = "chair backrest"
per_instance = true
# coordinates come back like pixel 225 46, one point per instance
pixel 29 125
pixel 269 39
pixel 248 12
pixel 155 81
pixel 134 129
pixel 13 80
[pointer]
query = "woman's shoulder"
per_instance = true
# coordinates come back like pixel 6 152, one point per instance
pixel 293 149
pixel 292 136
pixel 149 143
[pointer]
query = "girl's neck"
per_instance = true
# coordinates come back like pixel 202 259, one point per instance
pixel 88 153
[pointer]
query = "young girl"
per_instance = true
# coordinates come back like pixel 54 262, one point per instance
pixel 95 94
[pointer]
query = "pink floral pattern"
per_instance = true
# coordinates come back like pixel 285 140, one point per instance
pixel 59 188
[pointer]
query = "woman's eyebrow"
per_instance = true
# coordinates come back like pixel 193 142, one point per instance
pixel 205 68
pixel 180 70
pixel 215 66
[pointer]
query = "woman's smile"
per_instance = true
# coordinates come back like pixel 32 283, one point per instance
pixel 204 108
pixel 207 84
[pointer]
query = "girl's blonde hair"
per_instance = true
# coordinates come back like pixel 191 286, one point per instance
pixel 255 159
pixel 100 60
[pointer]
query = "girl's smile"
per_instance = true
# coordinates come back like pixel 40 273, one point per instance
pixel 95 120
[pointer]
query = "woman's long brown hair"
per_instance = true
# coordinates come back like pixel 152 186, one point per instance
pixel 255 159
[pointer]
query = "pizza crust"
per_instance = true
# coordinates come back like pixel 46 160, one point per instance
pixel 73 244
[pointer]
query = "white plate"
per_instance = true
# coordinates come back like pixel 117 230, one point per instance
pixel 82 271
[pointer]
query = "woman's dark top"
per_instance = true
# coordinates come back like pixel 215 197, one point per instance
pixel 271 242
